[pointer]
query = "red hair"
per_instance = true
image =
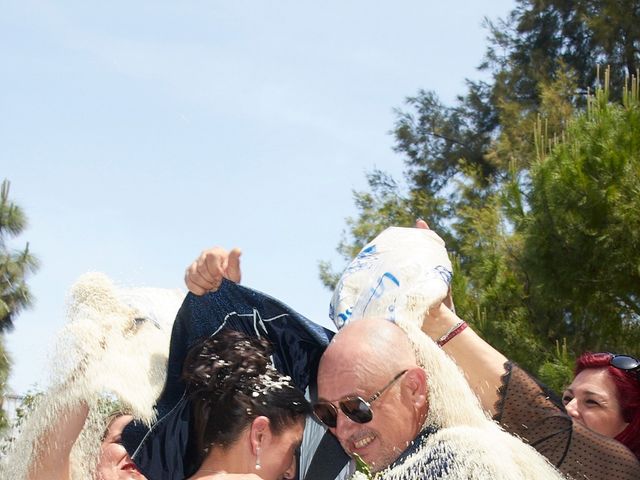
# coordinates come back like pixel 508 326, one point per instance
pixel 628 390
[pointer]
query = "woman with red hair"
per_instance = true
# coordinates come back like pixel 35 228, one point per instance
pixel 605 396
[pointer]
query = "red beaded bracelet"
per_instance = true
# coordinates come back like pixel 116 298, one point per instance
pixel 453 331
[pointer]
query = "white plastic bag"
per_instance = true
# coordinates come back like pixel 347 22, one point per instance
pixel 401 273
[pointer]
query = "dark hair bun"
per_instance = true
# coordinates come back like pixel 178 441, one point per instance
pixel 227 362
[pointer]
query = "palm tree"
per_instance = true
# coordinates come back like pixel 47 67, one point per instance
pixel 15 266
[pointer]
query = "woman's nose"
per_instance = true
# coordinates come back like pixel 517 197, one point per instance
pixel 290 474
pixel 572 408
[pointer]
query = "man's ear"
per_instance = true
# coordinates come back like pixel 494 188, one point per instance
pixel 415 383
pixel 260 433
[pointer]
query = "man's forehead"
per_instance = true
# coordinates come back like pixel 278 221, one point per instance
pixel 339 379
pixel 338 369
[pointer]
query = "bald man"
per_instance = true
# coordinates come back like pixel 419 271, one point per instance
pixel 394 399
pixel 363 359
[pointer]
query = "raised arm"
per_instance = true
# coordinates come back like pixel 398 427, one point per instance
pixel 206 272
pixel 53 448
pixel 525 408
pixel 483 365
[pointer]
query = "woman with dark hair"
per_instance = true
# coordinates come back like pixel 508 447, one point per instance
pixel 605 396
pixel 246 417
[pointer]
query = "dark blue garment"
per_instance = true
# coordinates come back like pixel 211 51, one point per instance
pixel 298 343
pixel 433 462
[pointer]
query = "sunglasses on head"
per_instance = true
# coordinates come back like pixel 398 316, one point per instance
pixel 626 363
pixel 356 409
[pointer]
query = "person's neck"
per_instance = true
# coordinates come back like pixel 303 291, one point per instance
pixel 228 460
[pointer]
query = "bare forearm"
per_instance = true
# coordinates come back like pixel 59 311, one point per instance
pixel 482 364
pixel 51 461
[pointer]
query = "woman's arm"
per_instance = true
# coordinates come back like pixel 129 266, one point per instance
pixel 53 448
pixel 483 365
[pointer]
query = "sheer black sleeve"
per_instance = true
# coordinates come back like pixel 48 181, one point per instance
pixel 529 410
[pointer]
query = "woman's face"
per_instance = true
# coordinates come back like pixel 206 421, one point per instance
pixel 278 458
pixel 115 463
pixel 592 399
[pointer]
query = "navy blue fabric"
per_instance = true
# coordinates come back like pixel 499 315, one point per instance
pixel 434 463
pixel 328 459
pixel 298 343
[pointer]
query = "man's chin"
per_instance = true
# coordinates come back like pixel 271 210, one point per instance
pixel 378 461
pixel 373 459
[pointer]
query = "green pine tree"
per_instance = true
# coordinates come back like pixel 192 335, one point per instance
pixel 472 171
pixel 15 266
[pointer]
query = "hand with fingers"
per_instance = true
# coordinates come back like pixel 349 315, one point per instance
pixel 206 272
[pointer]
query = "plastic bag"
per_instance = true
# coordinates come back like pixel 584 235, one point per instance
pixel 401 272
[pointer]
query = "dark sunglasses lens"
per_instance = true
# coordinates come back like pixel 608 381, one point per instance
pixel 625 362
pixel 357 410
pixel 326 413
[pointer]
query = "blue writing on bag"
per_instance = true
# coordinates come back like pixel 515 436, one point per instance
pixel 444 273
pixel 380 287
pixel 366 259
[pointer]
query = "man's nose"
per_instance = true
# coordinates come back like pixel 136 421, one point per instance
pixel 344 426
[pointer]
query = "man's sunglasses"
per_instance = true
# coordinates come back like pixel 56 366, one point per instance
pixel 356 409
pixel 626 363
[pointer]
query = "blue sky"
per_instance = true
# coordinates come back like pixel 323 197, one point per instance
pixel 135 134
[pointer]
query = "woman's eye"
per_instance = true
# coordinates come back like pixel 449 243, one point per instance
pixel 566 399
pixel 592 403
